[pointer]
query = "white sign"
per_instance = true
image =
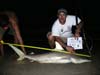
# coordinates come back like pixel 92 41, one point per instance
pixel 76 43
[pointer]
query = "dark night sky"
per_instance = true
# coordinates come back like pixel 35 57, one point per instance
pixel 36 17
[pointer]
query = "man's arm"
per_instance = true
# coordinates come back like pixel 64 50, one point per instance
pixel 69 48
pixel 14 22
pixel 78 29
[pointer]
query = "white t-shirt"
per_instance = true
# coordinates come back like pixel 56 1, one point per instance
pixel 64 31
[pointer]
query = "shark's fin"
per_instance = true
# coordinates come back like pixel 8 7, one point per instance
pixel 19 52
pixel 32 53
pixel 79 61
pixel 58 46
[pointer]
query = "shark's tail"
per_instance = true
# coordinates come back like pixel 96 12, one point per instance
pixel 19 52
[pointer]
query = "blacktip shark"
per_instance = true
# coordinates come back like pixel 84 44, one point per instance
pixel 51 57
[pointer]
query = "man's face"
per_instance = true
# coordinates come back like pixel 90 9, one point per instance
pixel 62 17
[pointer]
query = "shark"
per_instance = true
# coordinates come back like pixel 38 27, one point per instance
pixel 50 57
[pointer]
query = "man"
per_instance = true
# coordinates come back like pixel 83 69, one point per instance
pixel 9 25
pixel 62 29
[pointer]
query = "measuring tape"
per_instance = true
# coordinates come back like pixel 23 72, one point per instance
pixel 41 48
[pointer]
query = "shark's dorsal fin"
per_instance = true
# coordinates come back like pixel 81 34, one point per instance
pixel 58 46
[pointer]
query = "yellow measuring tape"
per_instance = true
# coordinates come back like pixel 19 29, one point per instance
pixel 2 42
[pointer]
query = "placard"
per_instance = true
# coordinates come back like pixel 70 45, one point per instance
pixel 76 43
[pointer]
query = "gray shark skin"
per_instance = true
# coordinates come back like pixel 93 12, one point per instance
pixel 51 57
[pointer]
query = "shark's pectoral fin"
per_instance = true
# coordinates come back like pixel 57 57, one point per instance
pixel 79 61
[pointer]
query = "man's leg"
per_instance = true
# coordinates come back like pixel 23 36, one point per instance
pixel 51 40
pixel 1 47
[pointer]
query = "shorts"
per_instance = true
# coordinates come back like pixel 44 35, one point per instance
pixel 9 31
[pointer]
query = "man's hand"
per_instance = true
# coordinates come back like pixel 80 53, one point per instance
pixel 70 49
